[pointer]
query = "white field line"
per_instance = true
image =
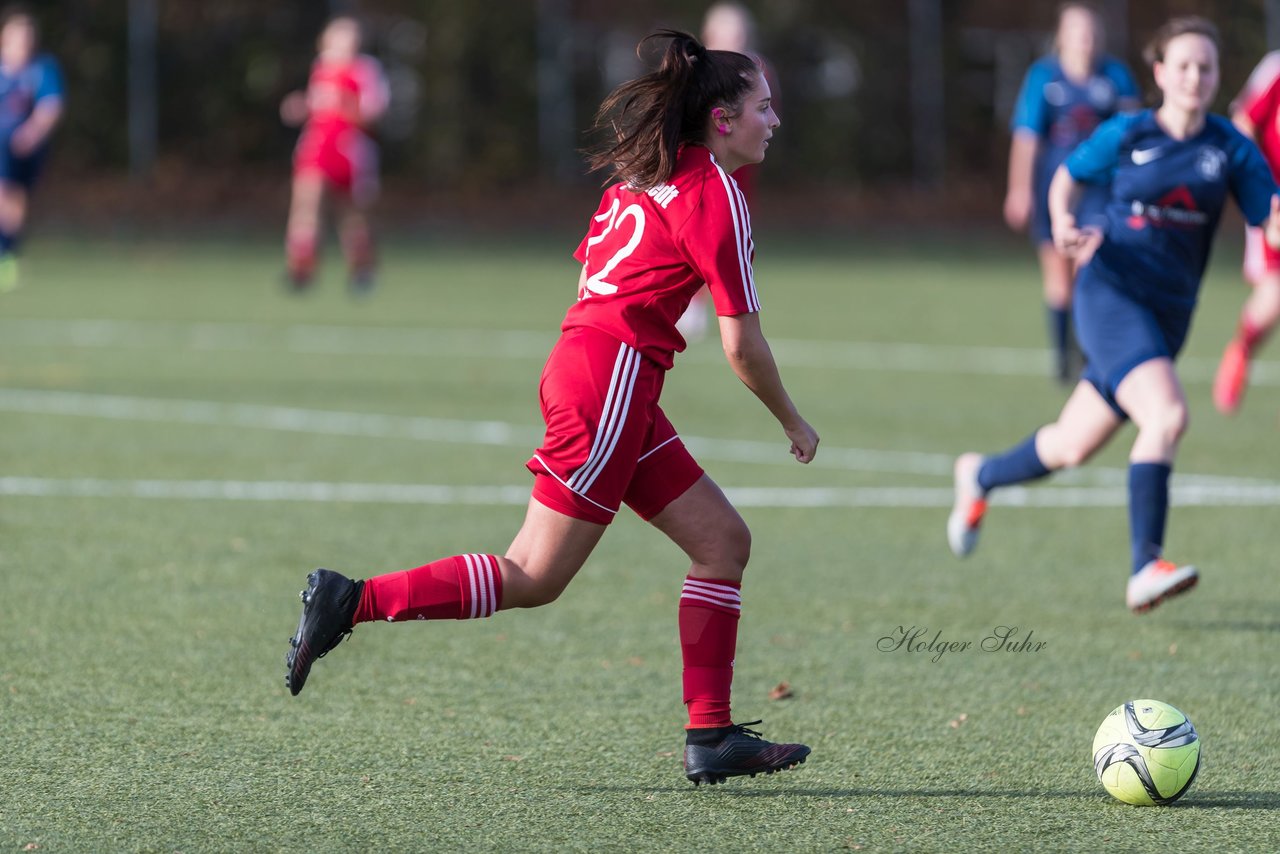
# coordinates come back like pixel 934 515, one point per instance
pixel 285 418
pixel 421 428
pixel 436 494
pixel 341 340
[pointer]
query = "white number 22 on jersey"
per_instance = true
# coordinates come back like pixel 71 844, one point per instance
pixel 596 284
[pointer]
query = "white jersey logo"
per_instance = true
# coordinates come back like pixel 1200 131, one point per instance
pixel 1102 94
pixel 663 194
pixel 1143 156
pixel 1210 161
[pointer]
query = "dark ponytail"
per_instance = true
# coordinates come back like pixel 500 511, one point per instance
pixel 646 120
pixel 1190 24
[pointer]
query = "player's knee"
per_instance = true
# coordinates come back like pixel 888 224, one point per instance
pixel 734 545
pixel 1170 422
pixel 1179 420
pixel 1073 455
pixel 1059 449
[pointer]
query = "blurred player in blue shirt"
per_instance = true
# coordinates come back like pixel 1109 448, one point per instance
pixel 1064 96
pixel 1170 171
pixel 30 108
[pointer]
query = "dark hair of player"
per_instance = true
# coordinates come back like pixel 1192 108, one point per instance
pixel 1083 5
pixel 1187 25
pixel 1089 8
pixel 19 11
pixel 646 120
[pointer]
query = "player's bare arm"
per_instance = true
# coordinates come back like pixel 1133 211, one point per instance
pixel 1271 228
pixel 1244 124
pixel 751 359
pixel 1018 200
pixel 1068 237
pixel 32 133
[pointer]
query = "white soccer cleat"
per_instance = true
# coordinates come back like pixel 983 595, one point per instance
pixel 971 504
pixel 1156 582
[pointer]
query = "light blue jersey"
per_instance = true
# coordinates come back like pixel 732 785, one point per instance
pixel 39 81
pixel 1061 113
pixel 20 91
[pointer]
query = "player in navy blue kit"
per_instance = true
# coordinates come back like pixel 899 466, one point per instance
pixel 1170 171
pixel 30 108
pixel 1064 97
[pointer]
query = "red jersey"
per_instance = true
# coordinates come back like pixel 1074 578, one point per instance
pixel 343 95
pixel 647 253
pixel 1260 101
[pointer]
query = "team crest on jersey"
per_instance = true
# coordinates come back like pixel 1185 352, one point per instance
pixel 1055 93
pixel 1102 93
pixel 1209 162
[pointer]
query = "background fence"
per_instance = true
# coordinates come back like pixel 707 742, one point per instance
pixel 879 97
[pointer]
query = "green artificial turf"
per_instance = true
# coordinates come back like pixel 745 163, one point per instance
pixel 142 703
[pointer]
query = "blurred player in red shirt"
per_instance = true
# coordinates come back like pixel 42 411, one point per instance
pixel 1256 112
pixel 676 221
pixel 346 94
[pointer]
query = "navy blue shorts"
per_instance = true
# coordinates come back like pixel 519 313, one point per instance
pixel 22 171
pixel 1092 211
pixel 1119 331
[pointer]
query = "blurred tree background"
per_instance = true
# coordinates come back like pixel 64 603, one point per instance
pixel 886 98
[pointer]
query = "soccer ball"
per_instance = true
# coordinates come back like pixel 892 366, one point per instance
pixel 1146 753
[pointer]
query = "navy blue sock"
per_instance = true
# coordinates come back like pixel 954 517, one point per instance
pixel 7 241
pixel 1148 509
pixel 1059 329
pixel 1016 465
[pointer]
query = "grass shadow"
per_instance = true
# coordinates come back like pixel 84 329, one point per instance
pixel 731 790
pixel 1270 626
pixel 1196 800
pixel 1232 800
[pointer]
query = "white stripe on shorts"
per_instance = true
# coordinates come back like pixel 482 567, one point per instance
pixel 612 419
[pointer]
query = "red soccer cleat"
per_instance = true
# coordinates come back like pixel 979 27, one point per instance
pixel 1233 373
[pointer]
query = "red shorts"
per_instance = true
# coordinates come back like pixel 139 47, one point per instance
pixel 347 158
pixel 608 442
pixel 1259 258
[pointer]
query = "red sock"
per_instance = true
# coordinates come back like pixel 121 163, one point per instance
pixel 456 588
pixel 709 609
pixel 1250 334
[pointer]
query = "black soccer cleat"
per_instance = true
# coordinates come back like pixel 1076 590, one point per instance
pixel 328 607
pixel 362 282
pixel 297 281
pixel 740 752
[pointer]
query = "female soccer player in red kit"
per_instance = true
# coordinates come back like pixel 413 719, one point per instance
pixel 675 221
pixel 1256 113
pixel 346 93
